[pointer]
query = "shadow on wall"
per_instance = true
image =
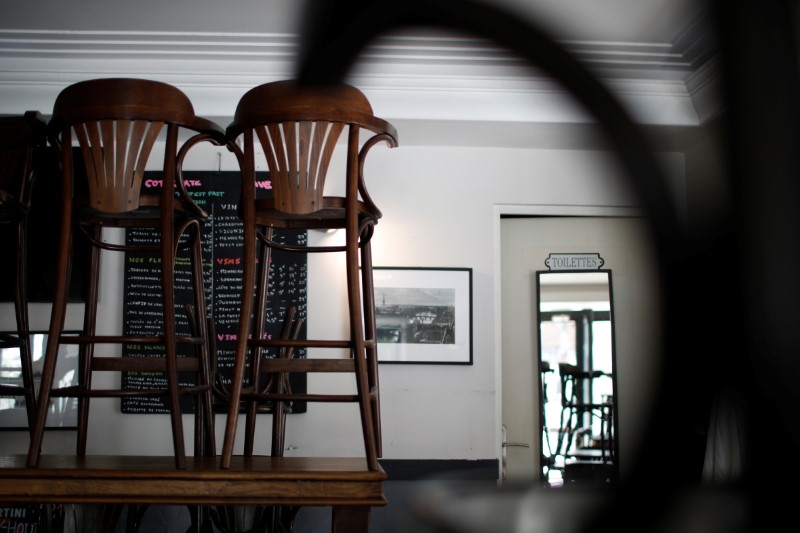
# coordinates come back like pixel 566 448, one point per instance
pixel 744 261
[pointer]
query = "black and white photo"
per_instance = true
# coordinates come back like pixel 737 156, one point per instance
pixel 423 315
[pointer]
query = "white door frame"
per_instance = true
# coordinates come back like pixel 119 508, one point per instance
pixel 529 210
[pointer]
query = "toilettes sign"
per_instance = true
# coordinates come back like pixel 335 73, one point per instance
pixel 579 261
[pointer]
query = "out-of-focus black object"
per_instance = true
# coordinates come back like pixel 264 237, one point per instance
pixel 735 276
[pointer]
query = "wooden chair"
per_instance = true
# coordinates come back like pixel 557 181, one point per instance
pixel 298 129
pixel 577 412
pixel 116 122
pixel 22 141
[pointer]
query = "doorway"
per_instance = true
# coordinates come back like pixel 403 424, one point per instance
pixel 526 242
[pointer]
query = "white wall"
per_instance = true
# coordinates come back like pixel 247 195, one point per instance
pixel 439 206
pixel 440 191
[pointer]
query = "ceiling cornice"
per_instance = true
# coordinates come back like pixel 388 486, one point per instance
pixel 411 77
pixel 412 48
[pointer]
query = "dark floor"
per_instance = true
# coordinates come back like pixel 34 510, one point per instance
pixel 475 506
pixel 413 488
pixel 401 515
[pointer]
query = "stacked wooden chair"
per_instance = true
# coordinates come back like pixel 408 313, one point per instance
pixel 115 123
pixel 298 128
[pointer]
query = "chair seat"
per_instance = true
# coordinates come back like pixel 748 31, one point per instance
pixel 332 215
pixel 148 210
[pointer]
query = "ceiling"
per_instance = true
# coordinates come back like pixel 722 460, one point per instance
pixel 656 56
pixel 623 21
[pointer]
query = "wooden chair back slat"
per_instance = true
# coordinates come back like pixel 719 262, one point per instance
pixel 298 155
pixel 304 171
pixel 122 149
pixel 116 153
pixel 327 144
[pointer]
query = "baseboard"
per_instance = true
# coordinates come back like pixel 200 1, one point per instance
pixel 420 469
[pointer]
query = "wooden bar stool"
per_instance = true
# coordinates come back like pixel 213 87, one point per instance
pixel 298 129
pixel 116 122
pixel 23 138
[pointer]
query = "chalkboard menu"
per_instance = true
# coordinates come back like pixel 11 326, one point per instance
pixel 218 194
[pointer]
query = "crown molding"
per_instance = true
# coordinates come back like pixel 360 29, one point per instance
pixel 414 78
pixel 410 48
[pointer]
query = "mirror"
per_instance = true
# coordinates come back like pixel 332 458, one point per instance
pixel 577 367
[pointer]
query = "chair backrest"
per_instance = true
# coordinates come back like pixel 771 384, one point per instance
pixel 576 384
pixel 298 128
pixel 116 122
pixel 20 138
pixel 571 384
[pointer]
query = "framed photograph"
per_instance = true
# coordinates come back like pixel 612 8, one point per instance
pixel 424 315
pixel 63 411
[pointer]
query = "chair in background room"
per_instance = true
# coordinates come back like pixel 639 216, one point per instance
pixel 298 127
pixel 577 439
pixel 115 123
pixel 22 141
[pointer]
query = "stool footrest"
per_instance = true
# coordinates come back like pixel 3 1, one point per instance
pixel 82 392
pixel 121 339
pixel 14 390
pixel 8 340
pixel 269 366
pixel 306 343
pixel 322 398
pixel 141 364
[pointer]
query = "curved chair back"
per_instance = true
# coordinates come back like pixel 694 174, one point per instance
pixel 298 129
pixel 116 122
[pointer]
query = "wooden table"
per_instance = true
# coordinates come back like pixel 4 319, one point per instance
pixel 345 484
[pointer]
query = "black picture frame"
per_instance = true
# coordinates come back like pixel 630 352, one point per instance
pixel 423 315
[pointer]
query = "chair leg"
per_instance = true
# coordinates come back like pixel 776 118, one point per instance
pixel 279 384
pixel 371 335
pixel 359 347
pixel 170 349
pixel 237 375
pixel 278 422
pixel 259 329
pixel 199 416
pixel 204 375
pixel 57 315
pixel 23 325
pixel 87 350
pixel 202 426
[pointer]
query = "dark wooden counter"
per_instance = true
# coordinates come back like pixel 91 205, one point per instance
pixel 345 484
